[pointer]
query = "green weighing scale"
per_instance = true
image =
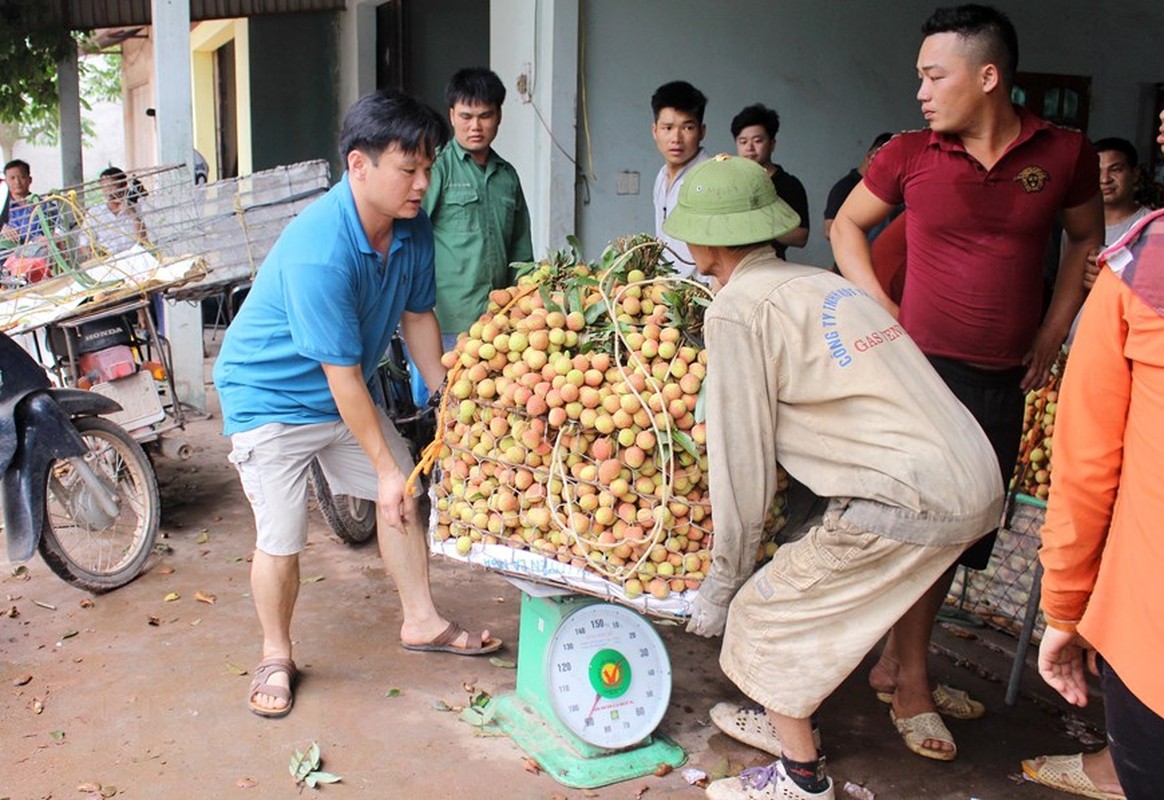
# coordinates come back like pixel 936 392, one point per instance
pixel 593 683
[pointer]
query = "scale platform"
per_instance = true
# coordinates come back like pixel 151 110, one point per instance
pixel 593 683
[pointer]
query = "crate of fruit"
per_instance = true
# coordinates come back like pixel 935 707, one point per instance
pixel 571 442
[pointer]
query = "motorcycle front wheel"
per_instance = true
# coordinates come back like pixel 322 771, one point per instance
pixel 82 541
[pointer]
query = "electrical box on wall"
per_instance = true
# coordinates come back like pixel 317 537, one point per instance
pixel 628 182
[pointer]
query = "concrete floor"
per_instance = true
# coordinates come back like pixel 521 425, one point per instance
pixel 140 696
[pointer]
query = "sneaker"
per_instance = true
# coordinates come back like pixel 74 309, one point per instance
pixel 764 783
pixel 752 727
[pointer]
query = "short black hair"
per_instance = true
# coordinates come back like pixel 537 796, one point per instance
pixel 388 117
pixel 989 31
pixel 16 162
pixel 1120 146
pixel 880 141
pixel 475 85
pixel 681 96
pixel 758 114
pixel 114 172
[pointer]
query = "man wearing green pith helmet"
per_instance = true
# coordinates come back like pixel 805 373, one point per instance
pixel 834 389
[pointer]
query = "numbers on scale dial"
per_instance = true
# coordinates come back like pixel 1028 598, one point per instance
pixel 610 675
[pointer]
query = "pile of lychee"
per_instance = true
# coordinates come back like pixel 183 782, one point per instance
pixel 572 426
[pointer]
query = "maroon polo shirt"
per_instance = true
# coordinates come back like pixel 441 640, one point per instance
pixel 976 237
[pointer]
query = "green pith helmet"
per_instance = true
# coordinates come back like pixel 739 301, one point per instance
pixel 729 200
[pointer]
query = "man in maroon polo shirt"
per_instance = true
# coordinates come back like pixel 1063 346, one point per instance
pixel 982 188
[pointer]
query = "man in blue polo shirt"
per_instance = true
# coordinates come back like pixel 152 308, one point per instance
pixel 292 377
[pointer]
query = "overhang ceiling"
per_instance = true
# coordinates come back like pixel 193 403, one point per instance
pixel 90 14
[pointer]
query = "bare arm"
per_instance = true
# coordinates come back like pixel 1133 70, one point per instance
pixel 797 237
pixel 422 334
pixel 861 211
pixel 360 415
pixel 1083 231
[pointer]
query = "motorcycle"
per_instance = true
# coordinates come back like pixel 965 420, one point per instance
pixel 75 486
pixel 352 520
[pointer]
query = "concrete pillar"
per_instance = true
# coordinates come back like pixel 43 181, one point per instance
pixel 69 105
pixel 357 53
pixel 534 50
pixel 174 98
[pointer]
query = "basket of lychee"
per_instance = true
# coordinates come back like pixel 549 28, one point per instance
pixel 572 431
pixel 1032 473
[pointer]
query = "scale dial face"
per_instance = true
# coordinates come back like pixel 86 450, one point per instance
pixel 609 675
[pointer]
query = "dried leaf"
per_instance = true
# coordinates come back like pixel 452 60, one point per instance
pixel 235 668
pixel 163 549
pixel 166 570
pixel 324 777
pixel 663 769
pixel 503 663
pixel 392 693
pixel 56 736
pixel 22 680
pixel 478 716
pixel 312 579
pixel 203 537
pixel 85 602
pixel 313 755
pixel 108 791
pixel 441 705
pixel 70 634
pixel 171 597
pixel 196 622
pixel 89 786
pixel 21 572
pixel 531 765
pixel 246 783
pixel 42 604
pixel 202 597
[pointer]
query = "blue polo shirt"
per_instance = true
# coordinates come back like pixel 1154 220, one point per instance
pixel 322 296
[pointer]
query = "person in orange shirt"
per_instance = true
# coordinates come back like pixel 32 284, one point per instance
pixel 1102 551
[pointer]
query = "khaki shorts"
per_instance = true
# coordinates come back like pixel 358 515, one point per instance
pixel 807 618
pixel 273 462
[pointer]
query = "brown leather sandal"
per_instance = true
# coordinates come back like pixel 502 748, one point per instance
pixel 259 685
pixel 444 643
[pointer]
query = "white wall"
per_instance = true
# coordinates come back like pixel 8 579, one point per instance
pixel 837 71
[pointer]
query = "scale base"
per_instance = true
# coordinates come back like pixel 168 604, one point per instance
pixel 545 743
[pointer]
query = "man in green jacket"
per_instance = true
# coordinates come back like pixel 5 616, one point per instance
pixel 479 217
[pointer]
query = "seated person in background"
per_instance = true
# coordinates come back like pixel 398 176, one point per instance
pixel 755 130
pixel 115 226
pixel 24 216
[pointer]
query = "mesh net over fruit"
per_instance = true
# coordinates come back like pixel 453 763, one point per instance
pixel 572 423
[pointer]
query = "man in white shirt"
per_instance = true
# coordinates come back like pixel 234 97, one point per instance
pixel 678 131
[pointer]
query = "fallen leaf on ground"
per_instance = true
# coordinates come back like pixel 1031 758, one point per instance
pixel 171 597
pixel 196 622
pixel 21 572
pixel 56 736
pixel 22 680
pixel 85 602
pixel 203 537
pixel 246 783
pixel 235 668
pixel 441 705
pixel 202 597
pixel 392 693
pixel 166 570
pixel 88 787
pixel 108 791
pixel 312 579
pixel 663 769
pixel 70 634
pixel 503 663
pixel 43 604
pixel 531 766
pixel 163 549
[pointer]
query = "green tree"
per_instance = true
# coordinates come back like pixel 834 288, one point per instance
pixel 32 42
